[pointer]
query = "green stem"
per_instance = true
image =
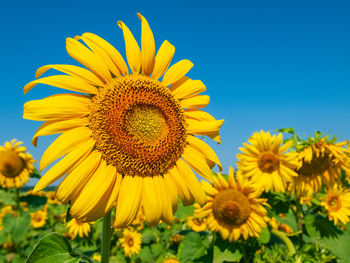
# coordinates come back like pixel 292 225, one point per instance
pixel 286 241
pixel 18 205
pixel 245 254
pixel 299 217
pixel 106 238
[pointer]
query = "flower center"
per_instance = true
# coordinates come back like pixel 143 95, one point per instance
pixel 268 162
pixel 130 241
pixel 10 164
pixel 316 166
pixel 334 203
pixel 138 126
pixel 231 207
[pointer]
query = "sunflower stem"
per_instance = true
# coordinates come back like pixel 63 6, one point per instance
pixel 106 238
pixel 285 240
pixel 18 204
pixel 299 218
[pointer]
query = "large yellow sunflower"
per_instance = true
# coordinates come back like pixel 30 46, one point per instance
pixel 234 208
pixel 16 165
pixel 321 163
pixel 337 203
pixel 76 227
pixel 265 162
pixel 131 242
pixel 130 136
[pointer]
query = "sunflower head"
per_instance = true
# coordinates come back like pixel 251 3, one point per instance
pixel 265 161
pixel 76 227
pixel 337 204
pixel 16 165
pixel 38 218
pixel 234 208
pixel 129 138
pixel 51 197
pixel 131 242
pixel 197 224
pixel 321 161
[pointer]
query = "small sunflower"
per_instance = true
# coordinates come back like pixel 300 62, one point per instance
pixel 51 197
pixel 96 257
pixel 131 242
pixel 126 135
pixel 197 224
pixel 76 227
pixel 16 165
pixel 234 208
pixel 177 238
pixel 265 162
pixel 321 163
pixel 38 218
pixel 337 204
pixel 171 259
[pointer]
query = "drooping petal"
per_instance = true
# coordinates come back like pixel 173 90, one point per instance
pixel 177 71
pixel 189 89
pixel 203 127
pixel 198 115
pixel 198 101
pixel 68 162
pixel 78 177
pixel 64 144
pixel 185 194
pixel 148 47
pixel 150 201
pixel 73 71
pixel 133 53
pixel 197 162
pixel 172 190
pixel 86 57
pixel 63 82
pixel 166 208
pixel 163 59
pixel 58 126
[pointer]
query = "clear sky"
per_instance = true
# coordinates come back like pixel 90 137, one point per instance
pixel 266 64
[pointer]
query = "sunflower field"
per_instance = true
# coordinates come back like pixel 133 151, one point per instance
pixel 130 176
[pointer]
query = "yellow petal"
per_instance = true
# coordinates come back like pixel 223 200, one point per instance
pixel 115 191
pixel 73 71
pixel 91 203
pixel 65 165
pixel 77 178
pixel 180 82
pixel 203 127
pixel 55 107
pixel 198 115
pixel 63 82
pixel 177 71
pixel 189 89
pixel 185 195
pixel 86 57
pixel 64 144
pixel 198 101
pixel 231 178
pixel 166 208
pixel 150 201
pixel 129 200
pixel 54 127
pixel 132 49
pixel 163 59
pixel 192 182
pixel 172 190
pixel 204 148
pixel 148 47
pixel 197 162
pixel 110 50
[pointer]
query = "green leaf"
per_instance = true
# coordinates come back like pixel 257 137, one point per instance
pixel 68 215
pixel 225 251
pixel 288 219
pixel 148 236
pixel 20 227
pixel 53 248
pixel 183 211
pixel 191 248
pixel 157 249
pixel 286 130
pixel 8 222
pixel 34 202
pixel 7 198
pixel 265 236
pixel 146 255
pixel 36 174
pixel 320 227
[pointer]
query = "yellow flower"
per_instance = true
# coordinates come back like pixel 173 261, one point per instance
pixel 177 238
pixel 4 211
pixel 131 242
pixel 286 228
pixel 8 245
pixel 234 208
pixel 171 260
pixel 337 203
pixel 265 162
pixel 321 162
pixel 51 197
pixel 16 165
pixel 38 218
pixel 76 227
pixel 96 257
pixel 197 224
pixel 126 135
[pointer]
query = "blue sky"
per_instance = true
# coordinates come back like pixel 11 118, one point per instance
pixel 266 64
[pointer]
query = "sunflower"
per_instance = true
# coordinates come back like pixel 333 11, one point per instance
pixel 265 162
pixel 126 135
pixel 76 227
pixel 131 242
pixel 171 259
pixel 96 257
pixel 16 165
pixel 337 204
pixel 38 218
pixel 51 197
pixel 234 208
pixel 197 224
pixel 321 163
